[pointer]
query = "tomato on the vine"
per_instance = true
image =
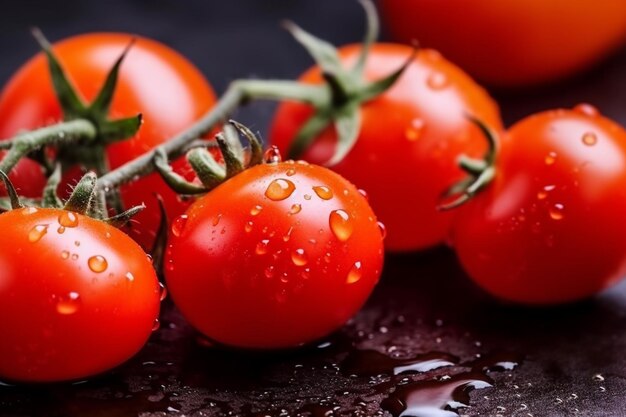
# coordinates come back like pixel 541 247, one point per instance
pixel 77 296
pixel 512 43
pixel 547 229
pixel 411 135
pixel 154 80
pixel 279 255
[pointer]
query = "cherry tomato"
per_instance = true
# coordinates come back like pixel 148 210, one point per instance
pixel 547 229
pixel 28 176
pixel 405 155
pixel 77 296
pixel 278 256
pixel 154 80
pixel 512 43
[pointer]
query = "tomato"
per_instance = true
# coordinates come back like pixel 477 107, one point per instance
pixel 405 154
pixel 547 229
pixel 277 256
pixel 77 296
pixel 154 80
pixel 512 43
pixel 29 177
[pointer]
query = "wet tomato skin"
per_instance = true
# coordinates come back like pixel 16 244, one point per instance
pixel 256 263
pixel 154 80
pixel 546 230
pixel 409 142
pixel 77 300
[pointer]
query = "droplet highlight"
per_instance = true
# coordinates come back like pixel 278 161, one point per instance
pixel 97 263
pixel 323 192
pixel 299 258
pixel 341 224
pixel 68 219
pixel 68 304
pixel 279 189
pixel 355 273
pixel 37 232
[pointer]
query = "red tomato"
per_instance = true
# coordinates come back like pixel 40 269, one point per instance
pixel 411 135
pixel 512 43
pixel 278 256
pixel 77 296
pixel 28 177
pixel 547 229
pixel 154 80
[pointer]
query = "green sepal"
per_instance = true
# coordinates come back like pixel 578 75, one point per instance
pixel 207 169
pixel 102 102
pixel 175 181
pixel 50 197
pixel 233 163
pixel 72 105
pixel 374 89
pixel 256 147
pixel 80 200
pixel 372 29
pixel 347 125
pixel 13 197
pixel 308 132
pixel 120 129
pixel 122 219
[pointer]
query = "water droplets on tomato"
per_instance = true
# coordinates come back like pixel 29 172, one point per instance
pixel 216 220
pixel 307 197
pixel 129 277
pixel 162 292
pixel 254 211
pixel 341 224
pixel 290 172
pixel 261 247
pixel 383 229
pixel 37 232
pixel 272 155
pixel 65 254
pixel 248 226
pixel 586 109
pixel 323 192
pixel 355 273
pixel 437 81
pixel 269 272
pixel 590 139
pixel 295 209
pixel 68 304
pixel 279 189
pixel 363 194
pixel 97 263
pixel 556 211
pixel 299 257
pixel 414 131
pixel 68 219
pixel 155 325
pixel 543 193
pixel 178 225
pixel 550 158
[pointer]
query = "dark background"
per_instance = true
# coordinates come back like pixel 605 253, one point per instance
pixel 563 348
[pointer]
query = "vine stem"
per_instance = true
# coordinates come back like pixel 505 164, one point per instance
pixel 238 93
pixel 60 133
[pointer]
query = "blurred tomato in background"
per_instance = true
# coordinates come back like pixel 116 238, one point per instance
pixel 512 42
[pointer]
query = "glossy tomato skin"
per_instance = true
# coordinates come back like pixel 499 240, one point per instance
pixel 411 135
pixel 512 43
pixel 154 80
pixel 77 300
pixel 548 229
pixel 257 264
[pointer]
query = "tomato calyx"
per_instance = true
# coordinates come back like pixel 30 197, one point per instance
pixel 480 171
pixel 347 87
pixel 208 170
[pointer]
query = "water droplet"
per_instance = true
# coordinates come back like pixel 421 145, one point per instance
pixel 323 192
pixel 272 155
pixel 61 230
pixel 295 209
pixel 37 232
pixel 155 325
pixel 299 258
pixel 129 276
pixel 248 227
pixel 216 220
pixel 284 278
pixel 414 131
pixel 97 263
pixel 550 158
pixel 543 193
pixel 307 196
pixel 68 219
pixel 68 304
pixel 65 254
pixel 107 235
pixel 179 224
pixel 556 211
pixel 341 224
pixel 290 172
pixel 279 189
pixel 261 247
pixel 437 81
pixel 288 235
pixel 74 257
pixel 586 109
pixel 598 378
pixel 254 211
pixel 363 194
pixel 76 243
pixel 269 271
pixel 383 229
pixel 355 273
pixel 29 210
pixel 162 291
pixel 590 139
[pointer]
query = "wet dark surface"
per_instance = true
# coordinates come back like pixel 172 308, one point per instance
pixel 425 316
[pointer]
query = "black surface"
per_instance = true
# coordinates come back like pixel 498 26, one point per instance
pixel 564 349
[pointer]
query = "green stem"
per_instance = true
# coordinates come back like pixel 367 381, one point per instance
pixel 61 133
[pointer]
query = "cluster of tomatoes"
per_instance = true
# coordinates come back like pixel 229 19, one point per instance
pixel 282 253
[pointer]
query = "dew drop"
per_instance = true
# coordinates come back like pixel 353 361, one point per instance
pixel 272 155
pixel 323 192
pixel 68 304
pixel 295 209
pixel 288 235
pixel 97 263
pixel 383 229
pixel 61 230
pixel 179 224
pixel 76 243
pixel 299 258
pixel 155 325
pixel 586 109
pixel 307 196
pixel 65 254
pixel 74 257
pixel 129 277
pixel 590 139
pixel 216 220
pixel 248 227
pixel 363 194
pixel 556 211
pixel 162 291
pixel 550 158
pixel 37 232
pixel 269 272
pixel 290 172
pixel 261 247
pixel 254 211
pixel 437 81
pixel 29 210
pixel 543 193
pixel 414 131
pixel 355 273
pixel 279 189
pixel 68 219
pixel 341 224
